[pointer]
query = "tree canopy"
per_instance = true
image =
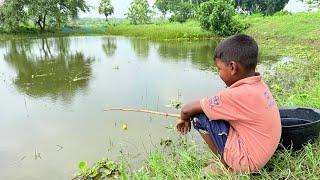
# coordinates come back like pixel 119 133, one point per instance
pixel 40 12
pixel 180 10
pixel 106 8
pixel 162 6
pixel 12 13
pixel 139 12
pixel 266 7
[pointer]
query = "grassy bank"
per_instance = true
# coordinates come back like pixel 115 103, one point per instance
pixel 295 82
pixel 161 31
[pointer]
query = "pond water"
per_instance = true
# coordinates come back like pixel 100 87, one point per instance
pixel 53 92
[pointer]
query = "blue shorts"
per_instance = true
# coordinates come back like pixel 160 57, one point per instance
pixel 217 129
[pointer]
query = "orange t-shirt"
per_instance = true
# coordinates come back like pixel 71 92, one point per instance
pixel 255 125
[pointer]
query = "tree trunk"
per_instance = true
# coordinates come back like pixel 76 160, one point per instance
pixel 39 22
pixel 106 18
pixel 58 18
pixel 44 22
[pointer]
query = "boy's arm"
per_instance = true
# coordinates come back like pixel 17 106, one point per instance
pixel 190 109
pixel 184 125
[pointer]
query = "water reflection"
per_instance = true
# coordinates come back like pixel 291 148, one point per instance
pixel 46 68
pixel 140 46
pixel 199 52
pixel 109 46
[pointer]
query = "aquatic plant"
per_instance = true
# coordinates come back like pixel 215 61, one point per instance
pixel 102 169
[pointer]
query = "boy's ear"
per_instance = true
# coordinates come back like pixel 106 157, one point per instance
pixel 234 67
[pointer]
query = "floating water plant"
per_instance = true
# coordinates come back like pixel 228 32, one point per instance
pixel 103 169
pixel 174 103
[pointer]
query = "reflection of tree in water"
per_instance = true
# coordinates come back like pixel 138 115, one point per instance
pixel 109 45
pixel 46 68
pixel 140 46
pixel 199 52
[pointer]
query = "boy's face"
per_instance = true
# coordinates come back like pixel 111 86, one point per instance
pixel 227 71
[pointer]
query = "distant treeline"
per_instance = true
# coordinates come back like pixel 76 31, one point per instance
pixel 53 14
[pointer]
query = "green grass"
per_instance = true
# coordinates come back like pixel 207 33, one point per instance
pixel 161 31
pixel 158 30
pixel 303 26
pixel 288 164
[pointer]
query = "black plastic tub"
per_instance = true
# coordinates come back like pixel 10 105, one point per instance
pixel 299 126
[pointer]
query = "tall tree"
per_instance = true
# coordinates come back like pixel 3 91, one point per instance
pixel 41 11
pixel 106 8
pixel 267 7
pixel 139 12
pixel 180 10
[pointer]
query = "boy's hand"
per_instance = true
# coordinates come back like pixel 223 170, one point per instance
pixel 183 126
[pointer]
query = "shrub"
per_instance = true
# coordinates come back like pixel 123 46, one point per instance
pixel 282 13
pixel 217 16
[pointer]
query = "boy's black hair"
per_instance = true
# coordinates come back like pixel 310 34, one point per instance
pixel 240 48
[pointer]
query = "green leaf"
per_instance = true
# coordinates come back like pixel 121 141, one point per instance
pixel 83 166
pixel 93 174
pixel 111 165
pixel 107 172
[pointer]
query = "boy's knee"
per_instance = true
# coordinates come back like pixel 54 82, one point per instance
pixel 200 124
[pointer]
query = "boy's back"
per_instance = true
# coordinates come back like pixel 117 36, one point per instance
pixel 254 118
pixel 250 127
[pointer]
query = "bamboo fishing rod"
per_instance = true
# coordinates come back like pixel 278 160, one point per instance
pixel 145 111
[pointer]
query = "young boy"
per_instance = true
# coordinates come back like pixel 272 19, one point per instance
pixel 241 123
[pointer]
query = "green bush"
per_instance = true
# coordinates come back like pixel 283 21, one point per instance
pixel 282 13
pixel 217 16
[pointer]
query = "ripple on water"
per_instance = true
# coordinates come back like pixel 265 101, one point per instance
pixel 9 158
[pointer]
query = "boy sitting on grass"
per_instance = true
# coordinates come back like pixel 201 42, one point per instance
pixel 242 123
